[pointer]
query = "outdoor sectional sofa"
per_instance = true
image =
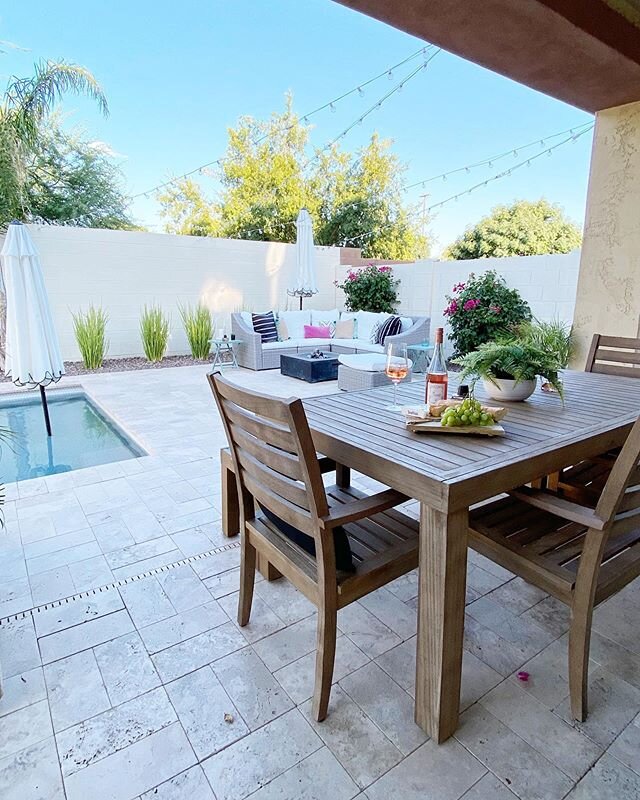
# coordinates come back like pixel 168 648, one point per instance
pixel 253 354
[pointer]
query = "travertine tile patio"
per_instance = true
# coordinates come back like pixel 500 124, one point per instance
pixel 121 691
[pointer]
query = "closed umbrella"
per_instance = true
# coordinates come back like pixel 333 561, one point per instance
pixel 305 258
pixel 32 350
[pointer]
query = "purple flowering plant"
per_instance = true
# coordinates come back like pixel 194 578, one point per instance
pixel 483 309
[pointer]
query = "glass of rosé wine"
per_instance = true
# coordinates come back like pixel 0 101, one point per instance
pixel 397 369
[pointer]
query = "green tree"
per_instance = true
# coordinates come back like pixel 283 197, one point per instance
pixel 363 203
pixel 24 107
pixel 187 211
pixel 69 178
pixel 268 175
pixel 524 228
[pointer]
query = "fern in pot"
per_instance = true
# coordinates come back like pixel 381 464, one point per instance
pixel 509 369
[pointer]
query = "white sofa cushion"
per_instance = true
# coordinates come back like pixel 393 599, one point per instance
pixel 367 362
pixel 365 322
pixel 295 322
pixel 407 323
pixel 288 345
pixel 364 344
pixel 328 318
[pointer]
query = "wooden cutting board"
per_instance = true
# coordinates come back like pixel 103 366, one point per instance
pixel 434 426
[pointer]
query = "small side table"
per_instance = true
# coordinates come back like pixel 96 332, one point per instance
pixel 421 358
pixel 223 353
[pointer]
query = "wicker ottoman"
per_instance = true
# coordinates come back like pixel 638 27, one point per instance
pixel 362 371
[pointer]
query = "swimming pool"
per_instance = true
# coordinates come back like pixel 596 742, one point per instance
pixel 83 435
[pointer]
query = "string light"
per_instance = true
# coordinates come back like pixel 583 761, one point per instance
pixel 454 198
pixel 370 110
pixel 575 132
pixel 423 51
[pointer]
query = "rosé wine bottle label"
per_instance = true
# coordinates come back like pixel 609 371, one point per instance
pixel 436 392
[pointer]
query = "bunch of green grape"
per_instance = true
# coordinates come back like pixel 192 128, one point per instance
pixel 469 412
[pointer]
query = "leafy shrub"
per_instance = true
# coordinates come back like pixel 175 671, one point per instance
pixel 370 288
pixel 483 309
pixel 514 359
pixel 198 325
pixel 89 329
pixel 154 330
pixel 554 338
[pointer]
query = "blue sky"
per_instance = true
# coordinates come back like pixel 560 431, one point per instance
pixel 177 75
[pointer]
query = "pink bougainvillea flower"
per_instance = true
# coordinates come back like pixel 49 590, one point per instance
pixel 384 269
pixel 459 287
pixel 451 308
pixel 523 676
pixel 470 305
pixel 495 309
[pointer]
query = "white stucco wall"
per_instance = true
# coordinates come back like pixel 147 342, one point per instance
pixel 548 283
pixel 122 270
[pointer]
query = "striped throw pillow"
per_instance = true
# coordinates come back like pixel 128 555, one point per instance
pixel 390 327
pixel 265 325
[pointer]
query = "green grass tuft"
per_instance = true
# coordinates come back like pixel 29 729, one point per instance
pixel 198 325
pixel 89 329
pixel 154 330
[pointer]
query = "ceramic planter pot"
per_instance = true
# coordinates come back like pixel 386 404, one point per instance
pixel 508 390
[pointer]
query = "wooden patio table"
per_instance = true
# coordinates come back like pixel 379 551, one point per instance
pixel 448 474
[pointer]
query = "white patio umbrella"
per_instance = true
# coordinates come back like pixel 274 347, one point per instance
pixel 305 258
pixel 32 351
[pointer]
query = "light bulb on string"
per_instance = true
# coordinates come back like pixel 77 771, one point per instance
pixel 515 153
pixel 360 91
pixel 467 170
pixel 332 107
pixel 390 74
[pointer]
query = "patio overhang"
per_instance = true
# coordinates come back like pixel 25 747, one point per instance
pixel 584 52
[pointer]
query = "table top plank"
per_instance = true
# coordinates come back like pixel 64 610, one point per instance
pixel 541 434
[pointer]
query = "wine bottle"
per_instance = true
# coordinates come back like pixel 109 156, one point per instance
pixel 437 377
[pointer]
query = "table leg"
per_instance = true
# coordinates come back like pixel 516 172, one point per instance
pixel 442 582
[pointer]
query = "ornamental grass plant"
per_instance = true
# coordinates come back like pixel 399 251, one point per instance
pixel 90 328
pixel 154 330
pixel 198 326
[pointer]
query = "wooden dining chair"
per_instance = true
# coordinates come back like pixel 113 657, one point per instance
pixel 584 482
pixel 334 543
pixel 579 554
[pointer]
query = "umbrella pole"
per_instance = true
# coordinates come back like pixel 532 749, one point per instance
pixel 45 409
pixel 300 302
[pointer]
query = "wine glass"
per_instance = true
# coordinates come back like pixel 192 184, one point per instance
pixel 397 369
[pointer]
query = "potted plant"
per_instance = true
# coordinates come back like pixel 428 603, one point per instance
pixel 370 288
pixel 509 368
pixel 483 309
pixel 554 338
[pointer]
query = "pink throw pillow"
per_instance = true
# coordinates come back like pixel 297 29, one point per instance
pixel 317 332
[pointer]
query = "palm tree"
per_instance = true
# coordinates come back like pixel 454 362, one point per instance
pixel 23 108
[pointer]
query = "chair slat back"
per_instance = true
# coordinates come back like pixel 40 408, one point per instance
pixel 274 456
pixel 614 355
pixel 620 498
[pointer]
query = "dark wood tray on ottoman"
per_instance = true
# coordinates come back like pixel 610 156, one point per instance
pixel 311 370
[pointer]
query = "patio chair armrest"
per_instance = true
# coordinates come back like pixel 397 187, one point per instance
pixel 249 352
pixel 573 512
pixel 363 508
pixel 416 334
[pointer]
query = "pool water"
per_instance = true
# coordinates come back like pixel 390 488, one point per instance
pixel 82 436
